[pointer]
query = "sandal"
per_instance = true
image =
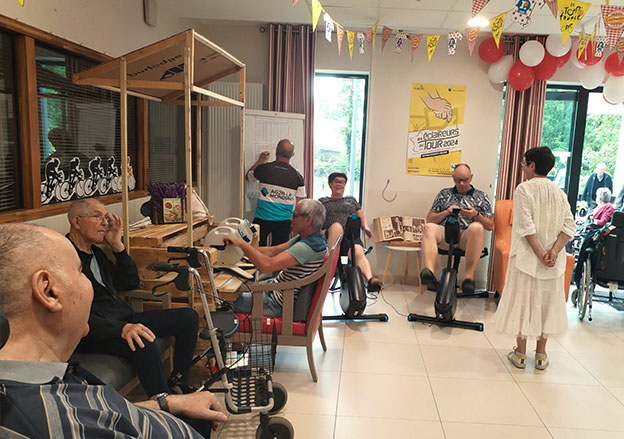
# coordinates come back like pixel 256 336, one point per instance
pixel 374 285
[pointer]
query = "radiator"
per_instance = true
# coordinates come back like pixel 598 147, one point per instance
pixel 220 149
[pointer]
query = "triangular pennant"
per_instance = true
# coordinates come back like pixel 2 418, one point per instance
pixel 329 27
pixel 316 13
pixel 453 38
pixel 613 18
pixel 294 2
pixel 350 36
pixel 361 38
pixel 415 42
pixel 400 38
pixel 369 36
pixel 552 4
pixel 385 34
pixel 523 10
pixel 583 40
pixel 432 43
pixel 21 2
pixel 339 36
pixel 570 13
pixel 375 32
pixel 496 24
pixel 471 35
pixel 601 43
pixel 477 5
pixel 619 46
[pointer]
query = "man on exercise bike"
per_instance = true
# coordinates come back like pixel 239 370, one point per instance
pixel 475 216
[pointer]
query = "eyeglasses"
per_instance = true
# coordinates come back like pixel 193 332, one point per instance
pixel 336 181
pixel 99 217
pixel 461 180
pixel 296 214
pixel 523 164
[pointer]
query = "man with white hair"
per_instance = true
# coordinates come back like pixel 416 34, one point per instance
pixel 295 259
pixel 598 179
pixel 47 299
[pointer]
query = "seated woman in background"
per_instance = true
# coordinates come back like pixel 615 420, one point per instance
pixel 339 208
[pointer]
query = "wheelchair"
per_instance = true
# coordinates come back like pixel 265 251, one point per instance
pixel 604 266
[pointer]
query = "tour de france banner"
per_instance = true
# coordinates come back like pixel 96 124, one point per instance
pixel 435 124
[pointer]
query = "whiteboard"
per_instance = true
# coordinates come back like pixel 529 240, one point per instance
pixel 263 129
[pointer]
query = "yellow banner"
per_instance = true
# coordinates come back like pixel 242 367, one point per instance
pixel 496 24
pixel 316 13
pixel 21 2
pixel 375 32
pixel 570 13
pixel 435 123
pixel 350 40
pixel 583 40
pixel 432 43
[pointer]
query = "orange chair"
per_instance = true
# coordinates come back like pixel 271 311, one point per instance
pixel 503 220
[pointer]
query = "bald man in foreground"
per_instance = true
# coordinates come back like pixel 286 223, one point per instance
pixel 47 302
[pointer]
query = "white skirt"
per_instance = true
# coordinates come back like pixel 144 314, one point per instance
pixel 529 306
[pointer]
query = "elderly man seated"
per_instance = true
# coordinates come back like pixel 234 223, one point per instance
pixel 295 259
pixel 47 300
pixel 475 217
pixel 115 328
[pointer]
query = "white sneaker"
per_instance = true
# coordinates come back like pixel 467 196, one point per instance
pixel 541 361
pixel 517 359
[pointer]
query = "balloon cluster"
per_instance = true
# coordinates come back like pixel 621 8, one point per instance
pixel 536 62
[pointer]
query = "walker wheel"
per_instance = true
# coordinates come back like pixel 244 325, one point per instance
pixel 277 428
pixel 280 397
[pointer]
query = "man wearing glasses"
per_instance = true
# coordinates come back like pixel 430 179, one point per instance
pixel 114 326
pixel 475 217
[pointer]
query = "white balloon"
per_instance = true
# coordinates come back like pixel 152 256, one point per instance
pixel 531 53
pixel 614 89
pixel 554 46
pixel 592 76
pixel 499 71
pixel 573 57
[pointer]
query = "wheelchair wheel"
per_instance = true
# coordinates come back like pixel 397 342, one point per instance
pixel 280 397
pixel 585 290
pixel 278 428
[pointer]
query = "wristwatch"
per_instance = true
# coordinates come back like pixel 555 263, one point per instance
pixel 161 398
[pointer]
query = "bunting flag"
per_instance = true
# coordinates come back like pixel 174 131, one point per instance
pixel 361 38
pixel 339 36
pixel 523 10
pixel 350 41
pixel 477 5
pixel 613 18
pixel 385 34
pixel 329 27
pixel 601 43
pixel 432 43
pixel 369 37
pixel 570 13
pixel 453 38
pixel 415 42
pixel 375 33
pixel 620 45
pixel 316 13
pixel 552 4
pixel 583 40
pixel 294 2
pixel 471 35
pixel 21 2
pixel 400 38
pixel 496 24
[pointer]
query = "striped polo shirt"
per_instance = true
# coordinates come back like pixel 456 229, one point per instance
pixel 280 185
pixel 57 400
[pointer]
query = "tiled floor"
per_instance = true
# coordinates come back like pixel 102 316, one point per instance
pixel 409 380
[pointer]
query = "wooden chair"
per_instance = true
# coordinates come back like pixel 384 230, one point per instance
pixel 503 220
pixel 290 332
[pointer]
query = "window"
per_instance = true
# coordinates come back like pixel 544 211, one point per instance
pixel 79 132
pixel 339 130
pixel 9 181
pixel 166 142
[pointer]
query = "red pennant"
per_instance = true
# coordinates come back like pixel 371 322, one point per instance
pixel 613 18
pixel 477 5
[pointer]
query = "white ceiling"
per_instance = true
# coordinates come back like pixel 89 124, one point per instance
pixel 421 16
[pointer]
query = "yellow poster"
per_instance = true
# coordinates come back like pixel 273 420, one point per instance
pixel 435 123
pixel 570 13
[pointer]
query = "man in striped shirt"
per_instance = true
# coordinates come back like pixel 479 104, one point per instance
pixel 295 259
pixel 47 299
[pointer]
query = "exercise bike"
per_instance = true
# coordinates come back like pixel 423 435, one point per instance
pixel 446 296
pixel 352 284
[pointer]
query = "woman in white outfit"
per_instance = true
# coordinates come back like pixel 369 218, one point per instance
pixel 533 299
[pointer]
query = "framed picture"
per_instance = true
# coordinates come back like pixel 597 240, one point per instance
pixel 172 210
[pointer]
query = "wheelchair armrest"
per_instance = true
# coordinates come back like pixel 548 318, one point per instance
pixel 137 297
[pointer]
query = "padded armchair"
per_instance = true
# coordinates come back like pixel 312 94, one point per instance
pixel 503 221
pixel 290 331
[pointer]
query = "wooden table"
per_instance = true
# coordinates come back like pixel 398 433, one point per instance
pixel 405 249
pixel 163 235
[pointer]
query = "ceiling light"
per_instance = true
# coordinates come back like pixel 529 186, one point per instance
pixel 478 22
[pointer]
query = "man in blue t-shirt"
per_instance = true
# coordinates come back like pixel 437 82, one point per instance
pixel 281 187
pixel 295 259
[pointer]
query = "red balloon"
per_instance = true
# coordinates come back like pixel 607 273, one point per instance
pixel 488 51
pixel 547 68
pixel 562 60
pixel 588 57
pixel 613 65
pixel 607 101
pixel 521 77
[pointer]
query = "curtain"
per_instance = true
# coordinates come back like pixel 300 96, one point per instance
pixel 523 115
pixel 291 74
